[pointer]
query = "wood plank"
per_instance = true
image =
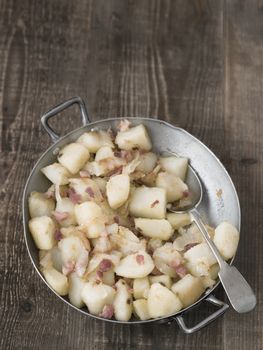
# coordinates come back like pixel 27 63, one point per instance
pixel 244 145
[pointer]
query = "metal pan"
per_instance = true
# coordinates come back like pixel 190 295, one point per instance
pixel 220 201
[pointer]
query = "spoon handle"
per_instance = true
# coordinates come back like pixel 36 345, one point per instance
pixel 239 292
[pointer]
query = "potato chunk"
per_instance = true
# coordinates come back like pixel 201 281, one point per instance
pixel 76 284
pixel 96 296
pixel 141 287
pixel 175 165
pixel 56 280
pixel 174 186
pixel 118 189
pixel 136 137
pixel 154 228
pixel 140 308
pixel 147 162
pixel 188 289
pixel 56 173
pixel 43 229
pixel 86 212
pixel 226 239
pixel 201 257
pixel 73 157
pixel 162 279
pixel 40 205
pixel 135 265
pixel 93 140
pixel 122 302
pixel 65 205
pixel 162 302
pixel 178 220
pixel 104 152
pixel 148 202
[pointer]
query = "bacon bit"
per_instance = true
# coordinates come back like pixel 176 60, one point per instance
pixel 186 193
pixel 116 219
pixel 154 203
pixel 73 196
pixel 181 271
pixel 130 290
pixel 140 259
pixel 68 268
pixel 60 215
pixel 124 125
pixel 175 263
pixel 90 192
pixel 58 235
pixel 105 265
pixel 84 173
pixel 107 311
pixel 189 246
pixel 115 171
pixel 111 133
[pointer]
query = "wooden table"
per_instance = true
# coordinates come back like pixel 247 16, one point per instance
pixel 196 64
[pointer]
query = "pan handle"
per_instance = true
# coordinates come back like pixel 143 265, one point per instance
pixel 211 299
pixel 59 108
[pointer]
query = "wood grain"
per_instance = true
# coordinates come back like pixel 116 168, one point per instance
pixel 197 64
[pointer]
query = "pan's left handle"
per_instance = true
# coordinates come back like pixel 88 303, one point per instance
pixel 59 108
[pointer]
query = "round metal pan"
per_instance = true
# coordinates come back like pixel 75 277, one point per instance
pixel 220 201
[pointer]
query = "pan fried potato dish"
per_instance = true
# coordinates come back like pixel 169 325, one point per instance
pixel 105 237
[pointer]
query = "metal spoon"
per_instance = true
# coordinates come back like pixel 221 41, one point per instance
pixel 239 292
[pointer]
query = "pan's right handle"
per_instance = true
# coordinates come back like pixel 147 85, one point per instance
pixel 59 108
pixel 212 299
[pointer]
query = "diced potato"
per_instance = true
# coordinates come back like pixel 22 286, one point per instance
pixel 201 257
pixel 210 280
pixel 103 153
pixel 226 239
pixel 178 220
pixel 148 202
pixel 101 183
pixel 96 296
pixel 141 287
pixel 76 284
pixel 188 289
pixel 174 186
pixel 187 239
pixel 154 228
pixel 162 302
pixel 56 173
pixel 118 189
pixel 40 205
pixel 140 308
pixel 93 140
pixel 175 165
pixel 154 243
pixel 95 228
pixel 87 189
pixel 126 241
pixel 147 162
pixel 56 258
pixel 86 212
pixel 164 280
pixel 56 280
pixel 109 277
pixel 71 248
pixel 122 302
pixel 65 205
pixel 136 137
pixel 43 229
pixel 97 258
pixel 73 157
pixel 164 258
pixel 135 265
